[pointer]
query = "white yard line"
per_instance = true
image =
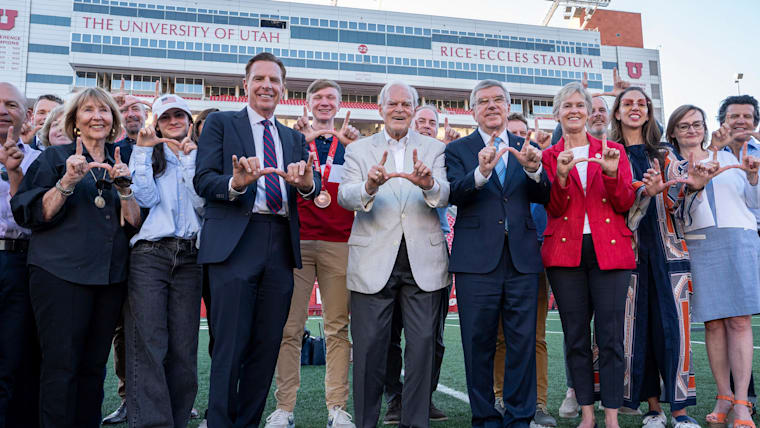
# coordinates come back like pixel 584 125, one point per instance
pixel 461 396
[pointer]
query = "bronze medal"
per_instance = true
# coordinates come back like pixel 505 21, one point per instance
pixel 323 199
pixel 100 202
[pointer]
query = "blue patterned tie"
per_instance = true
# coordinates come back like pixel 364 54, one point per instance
pixel 501 169
pixel 272 181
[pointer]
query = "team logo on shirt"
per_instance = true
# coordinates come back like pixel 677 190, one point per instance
pixel 10 19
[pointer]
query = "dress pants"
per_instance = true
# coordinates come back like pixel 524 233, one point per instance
pixel 371 318
pixel 580 292
pixel 75 324
pixel 327 262
pixel 19 350
pixel 542 357
pixel 251 299
pixel 393 385
pixel 120 358
pixel 510 297
pixel 161 322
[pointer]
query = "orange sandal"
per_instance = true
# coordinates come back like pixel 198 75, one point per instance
pixel 749 423
pixel 719 419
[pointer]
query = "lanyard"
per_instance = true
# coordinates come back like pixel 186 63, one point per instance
pixel 328 163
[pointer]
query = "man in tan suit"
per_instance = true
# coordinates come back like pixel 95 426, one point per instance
pixel 394 180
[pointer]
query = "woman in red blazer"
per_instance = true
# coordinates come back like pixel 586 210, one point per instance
pixel 587 249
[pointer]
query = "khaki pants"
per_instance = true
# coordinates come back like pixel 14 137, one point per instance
pixel 542 358
pixel 327 262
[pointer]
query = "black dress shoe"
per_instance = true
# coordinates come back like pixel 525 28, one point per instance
pixel 393 413
pixel 117 417
pixel 437 414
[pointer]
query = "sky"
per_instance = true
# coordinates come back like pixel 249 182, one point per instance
pixel 702 43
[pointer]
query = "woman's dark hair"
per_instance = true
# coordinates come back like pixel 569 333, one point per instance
pixel 196 133
pixel 159 158
pixel 650 131
pixel 676 117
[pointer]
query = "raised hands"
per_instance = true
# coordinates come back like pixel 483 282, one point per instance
pixel 376 176
pixel 246 171
pixel 489 157
pixel 654 182
pixel 299 174
pixel 420 176
pixel 28 132
pixel 77 167
pixel 749 164
pixel 449 133
pixel 187 145
pixel 346 135
pixel 147 138
pixel 566 161
pixel 721 137
pixel 303 124
pixel 119 172
pixel 125 100
pixel 618 86
pixel 10 155
pixel 529 156
pixel 543 139
pixel 609 159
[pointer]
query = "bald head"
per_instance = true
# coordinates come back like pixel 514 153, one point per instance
pixel 12 110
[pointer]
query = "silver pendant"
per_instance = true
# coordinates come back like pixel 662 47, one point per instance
pixel 100 202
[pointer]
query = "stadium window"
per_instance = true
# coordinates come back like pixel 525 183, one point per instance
pixel 391 29
pixel 343 24
pixel 406 61
pixel 352 25
pixel 343 57
pixel 400 29
pixel 323 23
pixel 656 91
pixel 363 26
pixel 374 59
pixel 372 27
pixel 86 38
pixel 317 55
pixel 382 60
pixel 654 69
pixel 116 40
pixel 523 70
pixel 428 63
pixel 381 28
pixel 302 54
pixel 293 53
pixel 436 64
pixel 350 57
pixel 334 56
pixel 272 23
pixel 398 61
pixel 76 37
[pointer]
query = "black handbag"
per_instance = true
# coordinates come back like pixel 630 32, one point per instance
pixel 313 349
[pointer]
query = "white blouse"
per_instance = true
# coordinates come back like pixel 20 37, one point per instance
pixel 734 196
pixel 582 168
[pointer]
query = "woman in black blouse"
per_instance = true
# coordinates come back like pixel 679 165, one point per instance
pixel 76 200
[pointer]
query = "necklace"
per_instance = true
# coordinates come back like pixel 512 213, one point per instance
pixel 100 201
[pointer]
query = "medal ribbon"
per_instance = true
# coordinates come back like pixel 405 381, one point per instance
pixel 328 163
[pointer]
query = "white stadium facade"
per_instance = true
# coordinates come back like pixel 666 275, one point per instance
pixel 199 50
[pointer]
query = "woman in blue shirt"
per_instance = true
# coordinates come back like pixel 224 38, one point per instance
pixel 164 289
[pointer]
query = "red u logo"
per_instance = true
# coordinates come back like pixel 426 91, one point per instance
pixel 634 69
pixel 11 19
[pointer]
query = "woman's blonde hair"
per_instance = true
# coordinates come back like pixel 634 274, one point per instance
pixel 45 131
pixel 99 95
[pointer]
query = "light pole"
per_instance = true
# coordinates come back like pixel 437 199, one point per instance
pixel 737 78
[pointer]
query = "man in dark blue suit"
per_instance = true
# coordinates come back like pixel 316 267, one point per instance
pixel 249 167
pixel 494 176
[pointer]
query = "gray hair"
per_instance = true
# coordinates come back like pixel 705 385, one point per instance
pixel 431 108
pixel 568 90
pixel 384 93
pixel 606 106
pixel 485 84
pixel 45 131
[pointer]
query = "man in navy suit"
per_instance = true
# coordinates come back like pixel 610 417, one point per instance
pixel 494 176
pixel 249 167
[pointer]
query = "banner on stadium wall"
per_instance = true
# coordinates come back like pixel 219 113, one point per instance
pixel 512 57
pixel 14 27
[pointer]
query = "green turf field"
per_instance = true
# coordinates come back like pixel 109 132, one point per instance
pixel 311 412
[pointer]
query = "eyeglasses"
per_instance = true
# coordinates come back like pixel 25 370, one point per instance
pixel 496 100
pixel 683 127
pixel 643 105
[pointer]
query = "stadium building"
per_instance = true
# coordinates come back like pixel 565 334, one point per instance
pixel 199 50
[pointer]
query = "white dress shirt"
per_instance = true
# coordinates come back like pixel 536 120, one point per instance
pixel 481 181
pixel 397 149
pixel 8 227
pixel 582 168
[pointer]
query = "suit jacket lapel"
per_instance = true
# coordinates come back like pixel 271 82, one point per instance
pixel 288 145
pixel 243 128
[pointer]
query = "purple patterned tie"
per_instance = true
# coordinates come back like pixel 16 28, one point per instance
pixel 272 181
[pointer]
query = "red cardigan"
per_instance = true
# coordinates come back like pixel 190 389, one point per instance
pixel 606 201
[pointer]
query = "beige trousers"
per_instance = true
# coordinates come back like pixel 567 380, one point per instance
pixel 325 261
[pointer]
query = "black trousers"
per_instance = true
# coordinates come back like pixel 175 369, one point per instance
pixel 371 318
pixel 581 292
pixel 393 385
pixel 19 351
pixel 252 291
pixel 75 324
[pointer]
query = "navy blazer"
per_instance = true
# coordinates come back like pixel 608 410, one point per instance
pixel 226 134
pixel 479 228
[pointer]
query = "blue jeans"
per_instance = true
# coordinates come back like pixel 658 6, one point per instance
pixel 161 320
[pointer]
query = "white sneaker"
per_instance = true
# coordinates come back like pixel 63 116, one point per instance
pixel 569 408
pixel 339 418
pixel 280 419
pixel 654 420
pixel 688 422
pixel 624 410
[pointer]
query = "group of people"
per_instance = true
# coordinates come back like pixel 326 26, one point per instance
pixel 114 230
